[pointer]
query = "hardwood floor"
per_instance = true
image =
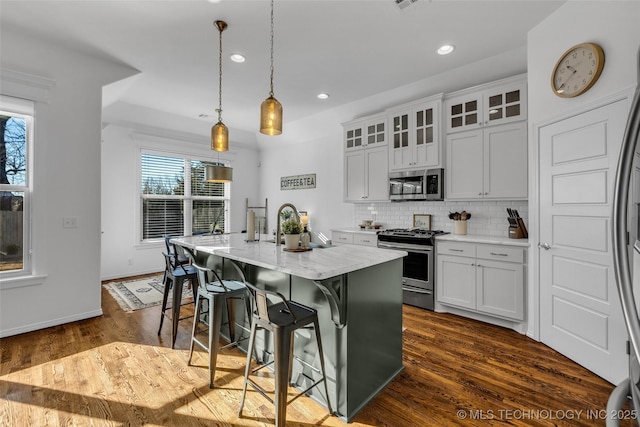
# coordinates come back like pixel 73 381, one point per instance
pixel 115 371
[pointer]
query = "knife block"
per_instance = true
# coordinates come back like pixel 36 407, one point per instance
pixel 515 233
pixel 518 231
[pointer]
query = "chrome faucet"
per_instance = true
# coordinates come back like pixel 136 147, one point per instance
pixel 295 212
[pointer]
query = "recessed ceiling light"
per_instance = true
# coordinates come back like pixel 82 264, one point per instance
pixel 237 57
pixel 446 49
pixel 323 95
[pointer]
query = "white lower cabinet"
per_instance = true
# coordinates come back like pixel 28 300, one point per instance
pixel 354 237
pixel 484 278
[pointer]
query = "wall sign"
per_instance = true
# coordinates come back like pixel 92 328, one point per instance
pixel 298 182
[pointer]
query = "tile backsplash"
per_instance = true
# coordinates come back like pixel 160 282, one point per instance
pixel 487 218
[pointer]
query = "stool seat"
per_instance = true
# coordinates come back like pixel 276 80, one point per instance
pixel 282 319
pixel 280 314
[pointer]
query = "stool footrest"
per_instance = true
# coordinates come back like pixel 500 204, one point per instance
pixel 307 364
pixel 306 390
pixel 260 390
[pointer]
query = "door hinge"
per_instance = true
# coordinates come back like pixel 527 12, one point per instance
pixel 628 347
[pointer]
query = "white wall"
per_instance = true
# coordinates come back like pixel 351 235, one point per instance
pixel 66 184
pixel 122 253
pixel 612 24
pixel 615 25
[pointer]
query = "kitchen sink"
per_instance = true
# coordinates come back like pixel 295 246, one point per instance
pixel 311 245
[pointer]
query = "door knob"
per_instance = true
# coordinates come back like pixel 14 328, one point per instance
pixel 544 246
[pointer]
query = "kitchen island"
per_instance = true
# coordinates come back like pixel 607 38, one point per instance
pixel 357 292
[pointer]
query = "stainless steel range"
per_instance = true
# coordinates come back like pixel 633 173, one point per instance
pixel 418 267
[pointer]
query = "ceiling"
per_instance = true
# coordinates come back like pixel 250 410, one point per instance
pixel 350 49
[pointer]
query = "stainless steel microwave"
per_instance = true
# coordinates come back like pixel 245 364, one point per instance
pixel 423 184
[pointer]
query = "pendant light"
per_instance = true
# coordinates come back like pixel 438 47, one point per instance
pixel 219 132
pixel 271 109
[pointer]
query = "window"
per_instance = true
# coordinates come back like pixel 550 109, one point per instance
pixel 16 124
pixel 175 200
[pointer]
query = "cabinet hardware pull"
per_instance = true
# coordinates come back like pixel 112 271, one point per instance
pixel 497 254
pixel 456 250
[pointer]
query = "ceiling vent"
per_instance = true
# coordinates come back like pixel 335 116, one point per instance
pixel 402 4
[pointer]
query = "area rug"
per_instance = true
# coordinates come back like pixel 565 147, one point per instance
pixel 141 293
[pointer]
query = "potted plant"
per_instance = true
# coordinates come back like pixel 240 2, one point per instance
pixel 459 221
pixel 291 229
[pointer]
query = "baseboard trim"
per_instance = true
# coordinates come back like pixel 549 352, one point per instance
pixel 49 323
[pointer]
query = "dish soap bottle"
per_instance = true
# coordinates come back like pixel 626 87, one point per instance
pixel 305 238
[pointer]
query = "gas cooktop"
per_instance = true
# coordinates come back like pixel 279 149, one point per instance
pixel 418 236
pixel 414 232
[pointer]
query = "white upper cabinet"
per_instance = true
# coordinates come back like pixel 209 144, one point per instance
pixel 366 160
pixel 497 103
pixel 414 134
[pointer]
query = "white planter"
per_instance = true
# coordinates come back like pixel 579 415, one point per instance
pixel 291 241
pixel 459 227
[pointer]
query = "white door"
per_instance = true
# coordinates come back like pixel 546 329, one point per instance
pixel 377 173
pixel 505 161
pixel 354 175
pixel 580 313
pixel 464 165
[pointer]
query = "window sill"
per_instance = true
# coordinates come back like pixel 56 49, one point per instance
pixel 22 281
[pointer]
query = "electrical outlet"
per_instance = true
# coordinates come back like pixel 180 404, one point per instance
pixel 70 222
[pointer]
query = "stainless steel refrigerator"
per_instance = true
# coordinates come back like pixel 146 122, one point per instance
pixel 626 252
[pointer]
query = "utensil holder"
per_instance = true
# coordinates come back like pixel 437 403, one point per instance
pixel 459 227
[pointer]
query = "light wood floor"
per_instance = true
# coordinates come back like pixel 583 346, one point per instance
pixel 115 371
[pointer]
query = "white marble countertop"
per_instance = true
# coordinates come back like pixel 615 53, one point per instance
pixel 480 238
pixel 317 264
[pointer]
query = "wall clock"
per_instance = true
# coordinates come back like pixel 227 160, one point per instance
pixel 577 70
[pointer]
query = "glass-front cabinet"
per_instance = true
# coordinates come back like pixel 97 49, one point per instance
pixel 414 134
pixel 499 103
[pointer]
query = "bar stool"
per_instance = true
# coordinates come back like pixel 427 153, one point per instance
pixel 282 319
pixel 217 292
pixel 174 278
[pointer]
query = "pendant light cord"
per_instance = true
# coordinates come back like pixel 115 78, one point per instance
pixel 219 110
pixel 271 77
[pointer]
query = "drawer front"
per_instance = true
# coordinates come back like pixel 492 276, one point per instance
pixel 456 248
pixel 338 237
pixel 365 239
pixel 501 253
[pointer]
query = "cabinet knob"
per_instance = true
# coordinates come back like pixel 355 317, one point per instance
pixel 486 194
pixel 480 194
pixel 544 246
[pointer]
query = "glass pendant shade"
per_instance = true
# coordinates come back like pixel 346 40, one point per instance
pixel 271 116
pixel 220 137
pixel 218 173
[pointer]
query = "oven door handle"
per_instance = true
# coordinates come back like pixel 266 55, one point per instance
pixel 405 246
pixel 417 291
